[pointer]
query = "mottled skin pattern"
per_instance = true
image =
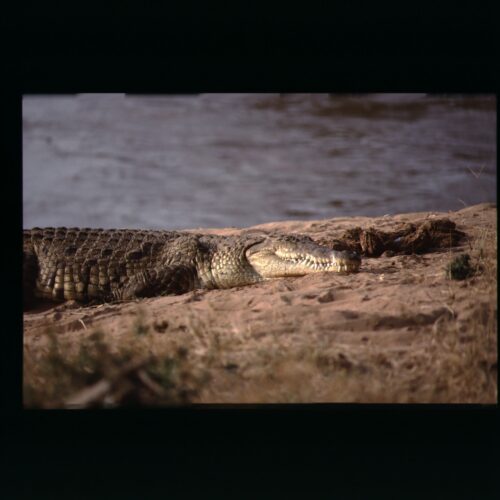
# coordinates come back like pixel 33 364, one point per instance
pixel 100 265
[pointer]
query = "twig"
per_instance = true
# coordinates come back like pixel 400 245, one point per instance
pixel 453 314
pixel 89 395
pixel 98 391
pixel 150 383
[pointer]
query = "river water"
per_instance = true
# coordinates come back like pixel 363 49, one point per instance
pixel 221 160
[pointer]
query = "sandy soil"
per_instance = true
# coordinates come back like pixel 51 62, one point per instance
pixel 397 331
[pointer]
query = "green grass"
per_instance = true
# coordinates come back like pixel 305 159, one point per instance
pixel 459 268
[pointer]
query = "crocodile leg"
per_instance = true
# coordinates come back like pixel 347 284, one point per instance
pixel 170 280
pixel 30 272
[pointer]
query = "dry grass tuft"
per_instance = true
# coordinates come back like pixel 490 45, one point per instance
pixel 98 373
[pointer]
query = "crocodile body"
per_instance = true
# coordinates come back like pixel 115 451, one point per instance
pixel 99 265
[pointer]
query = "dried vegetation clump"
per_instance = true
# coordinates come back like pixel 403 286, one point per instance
pixel 411 238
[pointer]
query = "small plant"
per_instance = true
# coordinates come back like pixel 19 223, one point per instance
pixel 140 327
pixel 459 268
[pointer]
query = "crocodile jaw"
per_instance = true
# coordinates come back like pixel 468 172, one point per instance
pixel 277 261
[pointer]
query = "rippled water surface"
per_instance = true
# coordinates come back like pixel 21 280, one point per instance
pixel 219 160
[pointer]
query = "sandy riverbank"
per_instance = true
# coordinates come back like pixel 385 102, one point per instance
pixel 397 331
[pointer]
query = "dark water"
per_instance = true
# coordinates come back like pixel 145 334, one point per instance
pixel 219 160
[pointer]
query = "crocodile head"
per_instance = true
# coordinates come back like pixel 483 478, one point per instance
pixel 277 257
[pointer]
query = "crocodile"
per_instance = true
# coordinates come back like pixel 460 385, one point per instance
pixel 88 265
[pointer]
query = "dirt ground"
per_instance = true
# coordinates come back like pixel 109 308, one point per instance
pixel 398 331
